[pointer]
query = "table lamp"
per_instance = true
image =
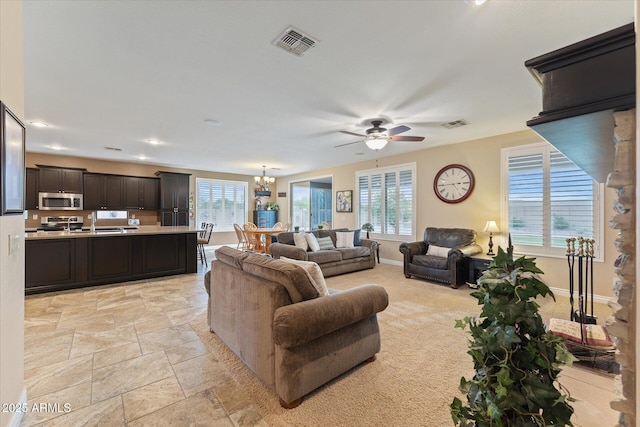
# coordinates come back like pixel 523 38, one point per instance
pixel 491 227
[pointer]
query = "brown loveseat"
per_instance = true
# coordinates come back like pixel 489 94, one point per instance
pixel 331 261
pixel 442 255
pixel 269 313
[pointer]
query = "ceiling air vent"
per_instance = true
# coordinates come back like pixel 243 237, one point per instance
pixel 295 41
pixel 113 148
pixel 454 124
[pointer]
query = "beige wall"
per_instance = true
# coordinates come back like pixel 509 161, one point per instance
pixel 482 156
pixel 137 169
pixel 11 262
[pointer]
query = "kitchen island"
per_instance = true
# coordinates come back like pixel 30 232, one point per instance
pixel 59 260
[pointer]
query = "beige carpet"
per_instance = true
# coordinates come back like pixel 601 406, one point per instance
pixel 416 374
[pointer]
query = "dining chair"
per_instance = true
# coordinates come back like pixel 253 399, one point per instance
pixel 242 238
pixel 287 226
pixel 325 225
pixel 278 226
pixel 253 241
pixel 204 236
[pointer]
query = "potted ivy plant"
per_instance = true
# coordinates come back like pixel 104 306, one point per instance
pixel 517 361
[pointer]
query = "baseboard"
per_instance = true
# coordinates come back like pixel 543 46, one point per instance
pixel 565 293
pixel 601 299
pixel 16 418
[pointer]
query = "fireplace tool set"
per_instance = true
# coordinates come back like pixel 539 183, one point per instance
pixel 585 254
pixel 584 315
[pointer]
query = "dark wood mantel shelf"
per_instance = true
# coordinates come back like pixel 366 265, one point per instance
pixel 582 85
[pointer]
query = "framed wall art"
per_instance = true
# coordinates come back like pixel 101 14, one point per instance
pixel 343 201
pixel 12 162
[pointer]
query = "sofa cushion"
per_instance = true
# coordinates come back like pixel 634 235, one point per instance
pixel 325 243
pixel 231 256
pixel 438 251
pixel 300 241
pixel 344 239
pixel 286 237
pixel 293 277
pixel 430 261
pixel 355 252
pixel 312 242
pixel 314 272
pixel 323 257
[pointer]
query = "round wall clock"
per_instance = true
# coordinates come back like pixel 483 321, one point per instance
pixel 454 183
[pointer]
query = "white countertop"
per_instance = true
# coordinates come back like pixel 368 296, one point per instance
pixel 109 231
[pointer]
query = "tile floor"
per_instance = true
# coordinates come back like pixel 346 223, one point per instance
pixel 127 355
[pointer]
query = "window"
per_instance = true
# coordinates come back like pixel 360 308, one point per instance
pixel 549 199
pixel 111 215
pixel 222 203
pixel 386 199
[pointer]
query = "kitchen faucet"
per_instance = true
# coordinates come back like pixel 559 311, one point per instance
pixel 93 221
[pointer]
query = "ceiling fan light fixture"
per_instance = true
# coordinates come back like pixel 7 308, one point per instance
pixel 376 143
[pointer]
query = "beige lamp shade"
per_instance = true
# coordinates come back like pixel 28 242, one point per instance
pixel 491 227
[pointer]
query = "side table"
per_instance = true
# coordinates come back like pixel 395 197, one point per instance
pixel 477 264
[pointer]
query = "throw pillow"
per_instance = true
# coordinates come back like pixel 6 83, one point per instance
pixel 356 238
pixel 325 243
pixel 344 239
pixel 300 240
pixel 312 242
pixel 314 272
pixel 438 251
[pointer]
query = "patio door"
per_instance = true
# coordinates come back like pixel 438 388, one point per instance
pixel 311 203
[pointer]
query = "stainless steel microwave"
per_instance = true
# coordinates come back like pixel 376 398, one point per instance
pixel 60 202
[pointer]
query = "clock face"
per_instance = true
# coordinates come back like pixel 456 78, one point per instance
pixel 453 183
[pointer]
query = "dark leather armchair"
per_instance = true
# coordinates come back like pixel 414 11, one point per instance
pixel 448 259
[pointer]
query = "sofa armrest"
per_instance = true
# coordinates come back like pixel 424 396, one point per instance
pixel 411 249
pixel 289 251
pixel 368 243
pixel 299 323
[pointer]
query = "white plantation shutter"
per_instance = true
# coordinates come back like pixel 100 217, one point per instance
pixel 386 200
pixel 549 199
pixel 222 203
pixel 526 199
pixel 571 201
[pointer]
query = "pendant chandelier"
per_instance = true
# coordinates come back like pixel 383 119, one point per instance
pixel 263 181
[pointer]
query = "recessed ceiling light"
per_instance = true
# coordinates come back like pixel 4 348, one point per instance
pixel 56 147
pixel 153 141
pixel 212 122
pixel 142 157
pixel 479 2
pixel 39 124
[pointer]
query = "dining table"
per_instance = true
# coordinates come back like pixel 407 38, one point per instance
pixel 255 238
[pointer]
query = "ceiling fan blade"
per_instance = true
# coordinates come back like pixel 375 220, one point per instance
pixel 348 143
pixel 407 138
pixel 398 129
pixel 352 133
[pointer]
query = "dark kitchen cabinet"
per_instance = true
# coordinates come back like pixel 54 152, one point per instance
pixel 89 260
pixel 174 198
pixel 103 191
pixel 61 180
pixel 50 262
pixel 141 193
pixel 109 257
pixel 31 197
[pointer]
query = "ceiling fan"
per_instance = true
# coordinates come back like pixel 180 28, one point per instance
pixel 377 137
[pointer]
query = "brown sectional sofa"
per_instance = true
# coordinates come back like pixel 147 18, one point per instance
pixel 270 315
pixel 334 261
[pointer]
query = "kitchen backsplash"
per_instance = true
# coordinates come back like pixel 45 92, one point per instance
pixel 146 217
